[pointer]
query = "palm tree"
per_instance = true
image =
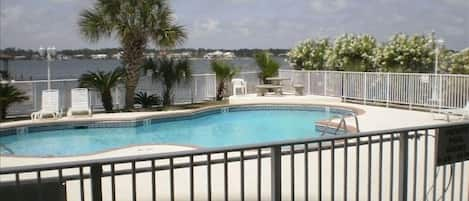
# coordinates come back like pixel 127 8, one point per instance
pixel 9 95
pixel 103 82
pixel 134 24
pixel 171 72
pixel 146 100
pixel 224 72
pixel 269 67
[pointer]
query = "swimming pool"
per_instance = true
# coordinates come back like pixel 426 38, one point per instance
pixel 212 128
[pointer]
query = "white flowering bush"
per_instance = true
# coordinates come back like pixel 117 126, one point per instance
pixel 310 54
pixel 459 62
pixel 353 53
pixel 403 53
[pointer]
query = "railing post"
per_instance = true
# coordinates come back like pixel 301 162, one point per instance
pixel 96 174
pixel 403 165
pixel 309 83
pixel 387 89
pixel 343 92
pixel 194 85
pixel 440 91
pixel 276 173
pixel 325 83
pixel 364 89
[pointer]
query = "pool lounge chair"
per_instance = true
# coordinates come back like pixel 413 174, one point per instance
pixel 49 106
pixel 80 102
pixel 464 112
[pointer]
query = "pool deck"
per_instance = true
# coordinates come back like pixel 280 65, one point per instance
pixel 371 118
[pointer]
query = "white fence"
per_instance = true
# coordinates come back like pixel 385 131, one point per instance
pixel 410 89
pixel 201 87
pixel 423 90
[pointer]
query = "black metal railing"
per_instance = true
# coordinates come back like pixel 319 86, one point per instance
pixel 384 165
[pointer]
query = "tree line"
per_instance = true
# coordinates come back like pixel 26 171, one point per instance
pixel 86 52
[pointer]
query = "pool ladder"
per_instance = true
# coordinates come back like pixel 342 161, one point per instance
pixel 342 124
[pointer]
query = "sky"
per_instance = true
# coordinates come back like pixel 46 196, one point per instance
pixel 234 24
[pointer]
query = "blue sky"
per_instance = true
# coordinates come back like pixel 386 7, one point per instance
pixel 247 23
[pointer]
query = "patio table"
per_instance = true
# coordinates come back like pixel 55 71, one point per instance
pixel 263 88
pixel 277 80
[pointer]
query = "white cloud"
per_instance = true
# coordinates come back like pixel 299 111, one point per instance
pixel 205 27
pixel 11 15
pixel 458 2
pixel 328 6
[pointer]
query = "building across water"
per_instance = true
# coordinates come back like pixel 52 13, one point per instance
pixel 219 55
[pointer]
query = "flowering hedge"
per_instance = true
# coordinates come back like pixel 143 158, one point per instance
pixel 406 54
pixel 402 53
pixel 459 62
pixel 310 54
pixel 353 53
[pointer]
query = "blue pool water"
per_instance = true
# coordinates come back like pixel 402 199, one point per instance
pixel 214 130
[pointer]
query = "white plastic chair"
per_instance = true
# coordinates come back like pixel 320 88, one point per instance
pixel 80 101
pixel 49 106
pixel 239 84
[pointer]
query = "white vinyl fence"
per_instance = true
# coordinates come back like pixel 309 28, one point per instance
pixel 200 88
pixel 410 89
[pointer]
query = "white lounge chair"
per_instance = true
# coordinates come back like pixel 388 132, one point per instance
pixel 239 84
pixel 464 112
pixel 80 102
pixel 50 105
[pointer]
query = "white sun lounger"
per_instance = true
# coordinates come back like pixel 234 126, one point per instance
pixel 80 102
pixel 50 105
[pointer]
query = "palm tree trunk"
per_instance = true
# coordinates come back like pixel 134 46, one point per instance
pixel 220 91
pixel 3 112
pixel 106 98
pixel 133 58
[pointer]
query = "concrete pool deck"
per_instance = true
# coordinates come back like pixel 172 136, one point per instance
pixel 373 118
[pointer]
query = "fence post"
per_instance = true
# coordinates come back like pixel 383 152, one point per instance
pixel 410 90
pixel 403 165
pixel 96 174
pixel 309 83
pixel 276 173
pixel 387 89
pixel 440 91
pixel 342 87
pixel 364 89
pixel 193 86
pixel 325 83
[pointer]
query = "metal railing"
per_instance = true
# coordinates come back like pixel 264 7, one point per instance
pixel 384 165
pixel 410 89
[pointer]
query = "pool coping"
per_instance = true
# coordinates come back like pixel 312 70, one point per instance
pixel 104 151
pixel 160 115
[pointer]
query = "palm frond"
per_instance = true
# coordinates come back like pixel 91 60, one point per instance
pixel 269 67
pixel 94 25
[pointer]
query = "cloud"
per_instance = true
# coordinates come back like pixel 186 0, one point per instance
pixel 204 27
pixel 458 2
pixel 247 23
pixel 11 15
pixel 328 6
